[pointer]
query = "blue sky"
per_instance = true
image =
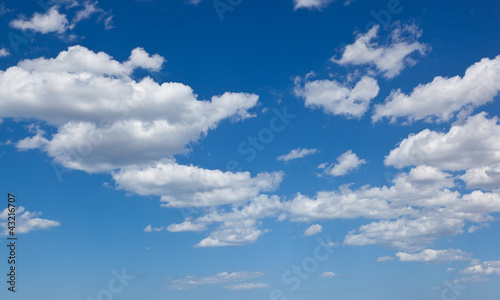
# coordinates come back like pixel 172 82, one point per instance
pixel 295 149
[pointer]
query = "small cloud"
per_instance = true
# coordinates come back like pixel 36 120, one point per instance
pixel 51 21
pixel 148 228
pixel 345 163
pixel 385 258
pixel 327 275
pixel 297 153
pixel 313 230
pixel 4 52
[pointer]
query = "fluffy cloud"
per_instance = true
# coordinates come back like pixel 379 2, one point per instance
pixel 231 237
pixel 25 222
pixel 240 225
pixel 434 256
pixel 472 145
pixel 297 153
pixel 4 52
pixel 417 209
pixel 311 4
pixel 191 186
pixel 484 268
pixel 345 163
pixel 405 233
pixel 336 98
pixel 440 99
pixel 313 230
pixel 422 186
pixel 389 59
pixel 223 277
pixel 486 178
pixel 51 21
pixel 98 109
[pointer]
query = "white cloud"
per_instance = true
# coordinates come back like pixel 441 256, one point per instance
pixel 297 153
pixel 389 59
pixel 4 52
pixel 223 277
pixel 191 186
pixel 485 268
pixel 25 222
pixel 486 178
pixel 416 210
pixel 336 98
pixel 89 9
pixel 311 4
pixel 475 228
pixel 51 21
pixel 327 275
pixel 385 258
pixel 406 234
pixel 313 230
pixel 347 162
pixel 434 256
pixel 231 237
pixel 440 99
pixel 236 227
pixel 97 109
pixel 473 145
pixel 150 228
pixel 186 226
pixel 246 286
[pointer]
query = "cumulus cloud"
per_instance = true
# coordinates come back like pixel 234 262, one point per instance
pixel 440 99
pixel 223 277
pixel 484 268
pixel 25 221
pixel 98 108
pixel 297 153
pixel 472 145
pixel 390 59
pixel 311 4
pixel 51 21
pixel 418 208
pixel 486 178
pixel 434 256
pixel 191 186
pixel 337 98
pixel 346 163
pixel 405 233
pixel 313 230
pixel 103 120
pixel 4 52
